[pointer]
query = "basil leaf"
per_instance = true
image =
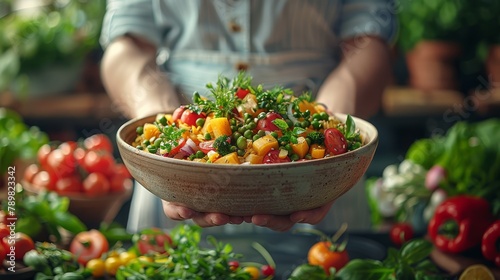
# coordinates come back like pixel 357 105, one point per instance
pixel 416 250
pixel 350 127
pixel 364 270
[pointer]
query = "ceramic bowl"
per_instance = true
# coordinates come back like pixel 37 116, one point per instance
pixel 244 190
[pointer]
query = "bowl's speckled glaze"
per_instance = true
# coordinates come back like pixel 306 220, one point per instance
pixel 244 190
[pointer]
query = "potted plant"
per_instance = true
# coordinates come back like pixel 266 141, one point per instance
pixel 430 36
pixel 42 49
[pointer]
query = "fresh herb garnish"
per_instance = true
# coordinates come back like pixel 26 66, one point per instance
pixel 288 135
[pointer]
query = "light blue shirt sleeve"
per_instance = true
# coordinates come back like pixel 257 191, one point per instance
pixel 130 17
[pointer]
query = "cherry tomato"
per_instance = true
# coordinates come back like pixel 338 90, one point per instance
pixel 253 271
pixel 68 147
pixel 96 184
pixel 121 170
pixel 241 93
pixel 176 115
pixel 267 124
pixel 98 142
pixel 99 161
pixel 96 267
pixel 43 180
pixel 189 117
pixel 4 230
pixel 118 183
pixel 69 185
pixel 335 141
pixel 112 264
pixel 233 265
pixel 321 254
pixel 42 154
pixel 60 163
pixel 273 157
pixel 207 146
pixel 20 244
pixel 30 172
pixel 88 245
pixel 79 155
pixel 267 270
pixel 153 241
pixel 400 233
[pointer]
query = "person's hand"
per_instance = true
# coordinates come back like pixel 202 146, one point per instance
pixel 178 212
pixel 284 223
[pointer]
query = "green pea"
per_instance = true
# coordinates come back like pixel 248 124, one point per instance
pixel 305 124
pixel 236 135
pixel 274 134
pixel 146 142
pixel 306 114
pixel 199 154
pixel 200 122
pixel 251 125
pixel 232 122
pixel 139 130
pixel 241 142
pixel 261 132
pixel 241 130
pixel 316 124
pixel 294 157
pixel 208 136
pixel 157 143
pixel 241 152
pixel 248 134
pixel 247 116
pixel 308 156
pixel 261 115
pixel 316 116
pixel 324 116
pixel 139 147
pixel 255 137
pixel 293 139
pixel 233 149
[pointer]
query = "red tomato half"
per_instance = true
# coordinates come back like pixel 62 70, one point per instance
pixel 273 157
pixel 335 141
pixel 207 146
pixel 189 117
pixel 400 233
pixel 176 115
pixel 154 241
pixel 267 124
pixel 88 245
pixel 20 244
pixel 98 142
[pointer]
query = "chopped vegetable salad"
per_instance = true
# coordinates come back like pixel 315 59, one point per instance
pixel 240 123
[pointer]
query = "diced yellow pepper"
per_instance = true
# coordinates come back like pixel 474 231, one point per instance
pixel 317 151
pixel 231 158
pixel 254 159
pixel 221 126
pixel 264 144
pixel 150 131
pixel 301 148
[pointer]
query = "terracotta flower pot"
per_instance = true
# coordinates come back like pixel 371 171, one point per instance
pixel 493 66
pixel 432 65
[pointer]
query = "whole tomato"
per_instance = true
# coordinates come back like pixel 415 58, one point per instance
pixel 88 245
pixel 267 124
pixel 99 161
pixel 326 255
pixel 118 183
pixel 400 233
pixel 176 115
pixel 189 117
pixel 335 141
pixel 153 241
pixel 96 184
pixel 69 185
pixel 30 172
pixel 61 163
pixel 43 180
pixel 42 154
pixel 98 142
pixel 19 245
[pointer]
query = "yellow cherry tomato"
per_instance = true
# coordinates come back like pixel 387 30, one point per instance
pixel 126 257
pixel 145 259
pixel 112 264
pixel 97 267
pixel 253 271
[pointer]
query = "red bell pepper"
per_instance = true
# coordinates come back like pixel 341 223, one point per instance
pixel 459 222
pixel 489 244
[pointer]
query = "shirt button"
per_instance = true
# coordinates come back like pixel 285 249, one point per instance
pixel 241 66
pixel 234 26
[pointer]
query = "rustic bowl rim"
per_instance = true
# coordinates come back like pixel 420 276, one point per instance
pixel 370 129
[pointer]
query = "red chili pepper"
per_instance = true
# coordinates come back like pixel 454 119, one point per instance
pixel 489 244
pixel 459 223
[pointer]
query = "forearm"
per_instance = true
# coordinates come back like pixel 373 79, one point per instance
pixel 356 86
pixel 132 80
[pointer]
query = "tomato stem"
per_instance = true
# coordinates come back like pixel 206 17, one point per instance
pixel 265 254
pixel 339 233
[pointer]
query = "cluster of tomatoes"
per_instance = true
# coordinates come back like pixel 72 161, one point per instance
pixel 13 245
pixel 92 250
pixel 72 167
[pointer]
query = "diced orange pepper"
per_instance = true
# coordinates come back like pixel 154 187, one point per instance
pixel 264 144
pixel 317 151
pixel 221 126
pixel 301 148
pixel 231 158
pixel 306 105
